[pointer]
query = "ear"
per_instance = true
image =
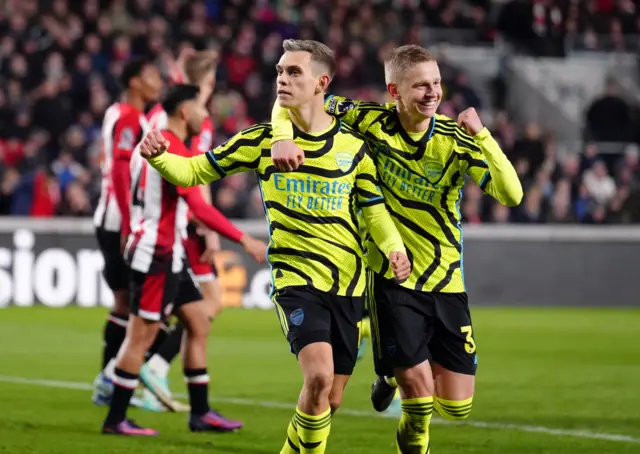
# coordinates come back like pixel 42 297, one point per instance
pixel 323 83
pixel 184 109
pixel 392 89
pixel 134 83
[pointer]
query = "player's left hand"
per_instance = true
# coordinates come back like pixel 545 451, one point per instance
pixel 212 246
pixel 469 120
pixel 400 265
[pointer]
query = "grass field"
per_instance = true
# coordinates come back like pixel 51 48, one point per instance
pixel 550 381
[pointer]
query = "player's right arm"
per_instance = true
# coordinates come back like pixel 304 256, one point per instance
pixel 125 132
pixel 287 156
pixel 241 153
pixel 217 222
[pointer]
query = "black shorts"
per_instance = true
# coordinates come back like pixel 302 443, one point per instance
pixel 156 296
pixel 410 327
pixel 308 316
pixel 116 269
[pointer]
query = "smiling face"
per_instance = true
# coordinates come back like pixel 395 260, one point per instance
pixel 414 82
pixel 419 89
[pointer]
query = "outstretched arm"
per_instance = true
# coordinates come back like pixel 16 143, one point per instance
pixel 359 114
pixel 217 222
pixel 209 215
pixel 287 156
pixel 186 172
pixel 241 153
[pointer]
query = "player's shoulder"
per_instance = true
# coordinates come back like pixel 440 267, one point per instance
pixel 256 136
pixel 339 105
pixel 446 129
pixel 207 126
pixel 176 146
pixel 127 111
pixel 350 133
pixel 259 131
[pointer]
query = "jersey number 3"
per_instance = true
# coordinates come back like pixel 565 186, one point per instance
pixel 470 344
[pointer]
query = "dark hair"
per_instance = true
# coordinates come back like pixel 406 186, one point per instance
pixel 176 95
pixel 133 68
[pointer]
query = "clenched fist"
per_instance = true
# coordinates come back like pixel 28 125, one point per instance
pixel 470 121
pixel 153 144
pixel 286 155
pixel 400 265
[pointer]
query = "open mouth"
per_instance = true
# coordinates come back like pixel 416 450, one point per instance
pixel 429 104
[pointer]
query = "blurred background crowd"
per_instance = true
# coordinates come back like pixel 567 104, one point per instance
pixel 60 59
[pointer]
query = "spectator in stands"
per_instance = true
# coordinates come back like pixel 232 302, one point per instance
pixel 608 118
pixel 59 67
pixel 530 147
pixel 601 187
pixel 10 179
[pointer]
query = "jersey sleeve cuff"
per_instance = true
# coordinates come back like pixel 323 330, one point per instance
pixel 212 160
pixel 483 134
pixel 370 202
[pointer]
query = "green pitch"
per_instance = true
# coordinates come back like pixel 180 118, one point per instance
pixel 550 381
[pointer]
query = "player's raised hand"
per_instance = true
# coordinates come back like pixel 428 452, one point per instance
pixel 153 144
pixel 176 67
pixel 256 248
pixel 286 155
pixel 400 265
pixel 469 120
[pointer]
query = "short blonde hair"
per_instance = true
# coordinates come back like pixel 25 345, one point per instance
pixel 320 53
pixel 404 57
pixel 198 65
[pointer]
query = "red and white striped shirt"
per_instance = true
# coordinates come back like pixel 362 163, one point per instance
pixel 159 215
pixel 200 144
pixel 122 129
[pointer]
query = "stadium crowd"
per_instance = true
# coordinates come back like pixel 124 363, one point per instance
pixel 59 63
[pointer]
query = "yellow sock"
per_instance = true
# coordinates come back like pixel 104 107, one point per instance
pixel 292 444
pixel 413 429
pixel 453 410
pixel 365 327
pixel 313 431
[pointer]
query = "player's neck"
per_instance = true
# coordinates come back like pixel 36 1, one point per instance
pixel 178 128
pixel 311 118
pixel 133 99
pixel 411 123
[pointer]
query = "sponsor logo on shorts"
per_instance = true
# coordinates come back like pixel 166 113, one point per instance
pixel 296 317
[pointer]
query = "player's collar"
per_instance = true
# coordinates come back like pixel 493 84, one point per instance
pixel 407 138
pixel 332 131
